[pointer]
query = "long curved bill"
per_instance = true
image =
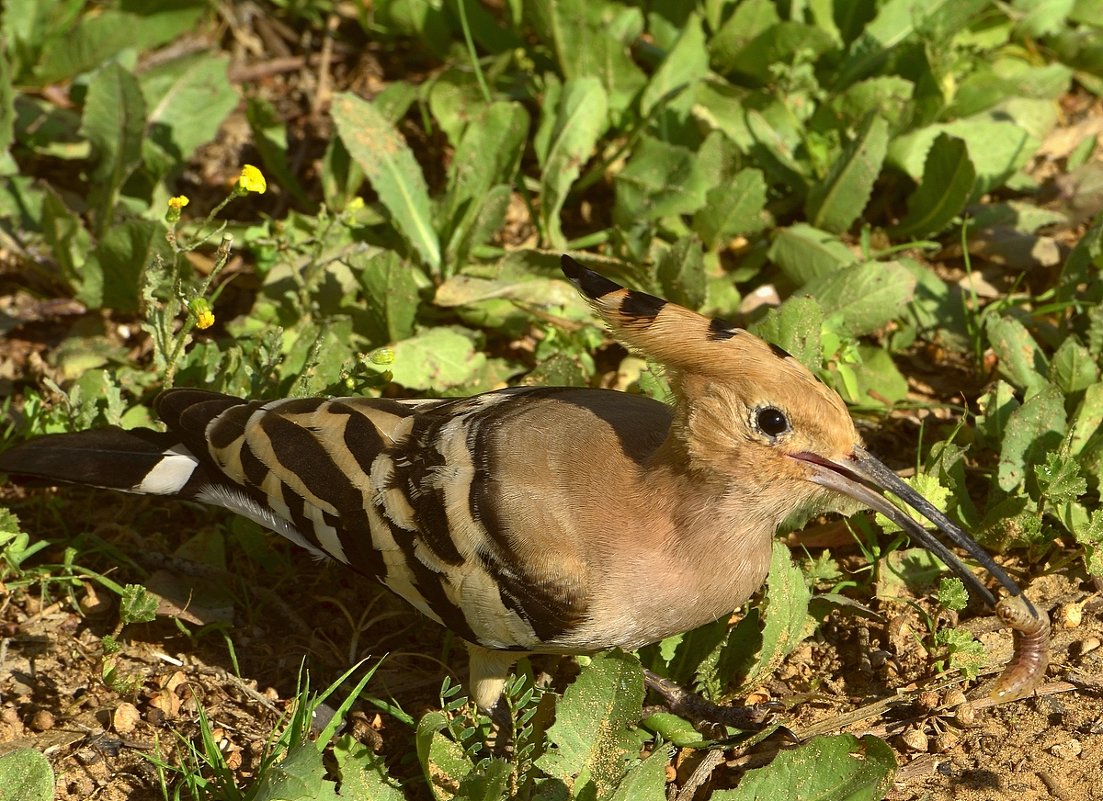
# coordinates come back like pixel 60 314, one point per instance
pixel 864 478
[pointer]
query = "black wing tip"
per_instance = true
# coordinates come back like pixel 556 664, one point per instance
pixel 591 284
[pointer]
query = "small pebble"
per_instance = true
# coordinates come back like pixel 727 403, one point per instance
pixel 1069 616
pixel 42 720
pixel 1067 749
pixel 1089 644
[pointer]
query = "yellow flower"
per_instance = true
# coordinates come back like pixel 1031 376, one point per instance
pixel 172 216
pixel 251 180
pixel 204 317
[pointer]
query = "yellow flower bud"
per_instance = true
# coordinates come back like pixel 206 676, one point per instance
pixel 201 308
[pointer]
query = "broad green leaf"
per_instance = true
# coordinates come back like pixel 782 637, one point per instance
pixel 69 241
pixel 364 775
pixel 779 44
pixel 995 410
pixel 997 149
pixel 300 776
pixel 437 359
pixel 188 98
pixel 443 761
pixel 946 186
pixel 592 742
pixel 394 174
pixel 95 38
pixel 454 100
pixel 685 64
pixel 1059 478
pixel 681 273
pixel 865 296
pixel 837 768
pixel 787 599
pixel 487 782
pixel 890 96
pixel 1033 429
pixel 114 121
pixel 593 40
pixel 1037 18
pixel 1088 419
pixel 111 275
pixel 487 156
pixel 1021 360
pixel 1072 368
pixel 836 202
pixel 733 208
pixel 795 326
pixel 804 253
pixel 660 179
pixel 26 775
pixel 646 781
pixel 580 119
pixel 879 379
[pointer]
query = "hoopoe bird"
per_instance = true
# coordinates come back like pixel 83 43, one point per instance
pixel 532 519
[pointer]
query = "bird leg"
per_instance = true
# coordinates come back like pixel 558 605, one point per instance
pixel 697 710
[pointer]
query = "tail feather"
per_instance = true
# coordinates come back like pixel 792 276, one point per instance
pixel 135 460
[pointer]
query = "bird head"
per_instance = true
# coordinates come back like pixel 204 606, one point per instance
pixel 746 408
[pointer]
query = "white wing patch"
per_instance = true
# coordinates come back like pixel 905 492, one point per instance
pixel 170 474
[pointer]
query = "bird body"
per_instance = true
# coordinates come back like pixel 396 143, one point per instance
pixel 531 519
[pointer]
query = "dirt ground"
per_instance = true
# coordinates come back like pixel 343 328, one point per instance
pixel 858 674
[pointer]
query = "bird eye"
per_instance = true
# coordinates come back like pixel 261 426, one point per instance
pixel 771 422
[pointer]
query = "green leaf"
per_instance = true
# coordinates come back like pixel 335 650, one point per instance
pixel 997 149
pixel 795 326
pixel 1059 478
pixel 1033 429
pixel 804 253
pixel 592 40
pixel 383 154
pixel 681 273
pixel 300 776
pixel 188 99
pixel 443 761
pixel 686 63
pixel 781 43
pixel 113 270
pixel 734 208
pixel 836 202
pixel 646 781
pixel 364 775
pixel 114 121
pixel 74 47
pixel 26 775
pixel 787 598
pixel 592 742
pixel 1021 360
pixel 137 605
pixel 947 185
pixel 838 768
pixel 391 296
pixel 660 179
pixel 479 179
pixel 437 359
pixel 1088 419
pixel 865 296
pixel 581 117
pixel 1073 369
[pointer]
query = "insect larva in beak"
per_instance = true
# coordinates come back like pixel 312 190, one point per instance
pixel 1028 664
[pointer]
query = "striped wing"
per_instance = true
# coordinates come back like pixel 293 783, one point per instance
pixel 421 495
